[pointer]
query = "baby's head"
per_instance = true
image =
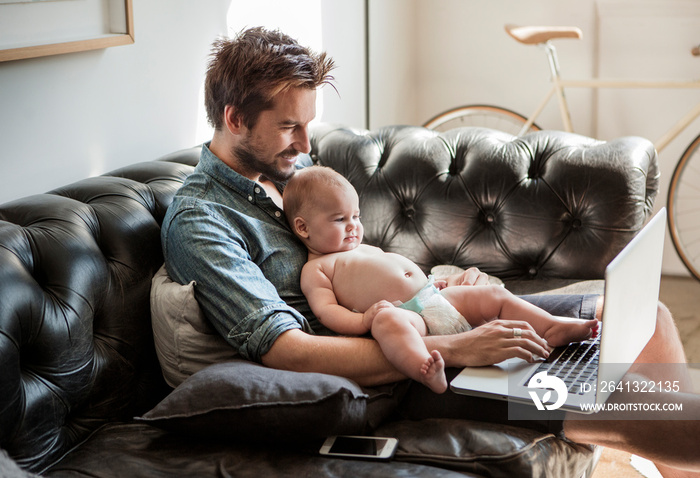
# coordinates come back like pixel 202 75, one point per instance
pixel 323 210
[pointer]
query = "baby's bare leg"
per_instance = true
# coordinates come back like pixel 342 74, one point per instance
pixel 399 333
pixel 481 304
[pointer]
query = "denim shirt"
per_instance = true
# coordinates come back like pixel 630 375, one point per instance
pixel 224 232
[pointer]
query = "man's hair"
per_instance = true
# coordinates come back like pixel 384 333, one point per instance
pixel 302 189
pixel 248 70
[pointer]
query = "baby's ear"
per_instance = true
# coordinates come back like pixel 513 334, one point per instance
pixel 300 228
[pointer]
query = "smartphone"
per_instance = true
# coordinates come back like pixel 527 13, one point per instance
pixel 349 446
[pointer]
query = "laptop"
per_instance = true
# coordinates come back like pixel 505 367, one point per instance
pixel 589 369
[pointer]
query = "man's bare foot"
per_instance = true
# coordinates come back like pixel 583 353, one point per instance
pixel 433 373
pixel 564 330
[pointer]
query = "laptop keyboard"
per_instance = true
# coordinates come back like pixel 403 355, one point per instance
pixel 575 364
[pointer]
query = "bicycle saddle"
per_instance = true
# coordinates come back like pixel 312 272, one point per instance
pixel 533 35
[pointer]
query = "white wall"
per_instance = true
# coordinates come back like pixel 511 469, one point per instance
pixel 344 40
pixel 70 116
pixel 393 63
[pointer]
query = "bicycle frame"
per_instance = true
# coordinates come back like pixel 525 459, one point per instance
pixel 559 85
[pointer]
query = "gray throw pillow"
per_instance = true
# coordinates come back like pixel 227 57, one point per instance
pixel 248 401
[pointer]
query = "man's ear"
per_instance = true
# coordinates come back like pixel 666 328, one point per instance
pixel 232 120
pixel 300 227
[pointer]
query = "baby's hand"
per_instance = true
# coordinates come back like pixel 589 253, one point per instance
pixel 440 284
pixel 368 316
pixel 471 276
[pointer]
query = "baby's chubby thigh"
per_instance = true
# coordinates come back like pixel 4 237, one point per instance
pixel 395 320
pixel 478 304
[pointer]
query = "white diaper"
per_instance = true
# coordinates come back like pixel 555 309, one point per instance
pixel 441 318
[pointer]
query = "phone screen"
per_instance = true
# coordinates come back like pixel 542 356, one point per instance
pixel 357 446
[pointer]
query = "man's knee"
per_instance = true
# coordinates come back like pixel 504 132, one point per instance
pixel 666 328
pixel 599 308
pixel 663 313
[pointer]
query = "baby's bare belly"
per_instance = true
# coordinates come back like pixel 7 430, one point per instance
pixel 363 280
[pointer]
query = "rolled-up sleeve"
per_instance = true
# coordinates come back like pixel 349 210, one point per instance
pixel 232 289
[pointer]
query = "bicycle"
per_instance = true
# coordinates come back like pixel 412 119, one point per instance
pixel 683 202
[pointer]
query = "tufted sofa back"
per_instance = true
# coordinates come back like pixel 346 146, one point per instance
pixel 547 205
pixel 76 347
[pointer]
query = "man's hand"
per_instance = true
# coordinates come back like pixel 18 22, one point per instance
pixel 471 276
pixel 490 343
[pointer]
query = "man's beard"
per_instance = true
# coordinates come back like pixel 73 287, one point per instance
pixel 249 157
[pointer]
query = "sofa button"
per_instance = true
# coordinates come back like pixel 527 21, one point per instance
pixel 490 218
pixel 532 271
pixel 576 224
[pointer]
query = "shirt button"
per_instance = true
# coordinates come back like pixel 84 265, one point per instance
pixel 250 198
pixel 278 214
pixel 257 190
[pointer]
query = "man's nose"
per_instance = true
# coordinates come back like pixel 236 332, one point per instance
pixel 301 141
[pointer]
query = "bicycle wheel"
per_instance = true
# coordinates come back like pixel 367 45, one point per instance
pixel 684 208
pixel 486 116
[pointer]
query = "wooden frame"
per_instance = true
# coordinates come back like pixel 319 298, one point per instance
pixel 108 39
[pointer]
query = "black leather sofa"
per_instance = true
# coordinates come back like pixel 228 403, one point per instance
pixel 77 360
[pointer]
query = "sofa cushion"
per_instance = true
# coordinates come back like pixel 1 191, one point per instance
pixel 244 400
pixel 185 341
pixel 487 449
pixel 120 450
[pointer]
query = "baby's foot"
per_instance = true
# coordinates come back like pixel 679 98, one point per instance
pixel 565 330
pixel 432 373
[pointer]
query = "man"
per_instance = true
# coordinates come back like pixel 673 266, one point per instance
pixel 226 230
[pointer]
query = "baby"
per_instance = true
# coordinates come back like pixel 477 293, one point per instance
pixel 354 288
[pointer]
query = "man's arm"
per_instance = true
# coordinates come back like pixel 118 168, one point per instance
pixel 361 359
pixel 357 358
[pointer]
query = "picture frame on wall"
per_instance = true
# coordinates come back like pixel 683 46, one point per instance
pixel 37 28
